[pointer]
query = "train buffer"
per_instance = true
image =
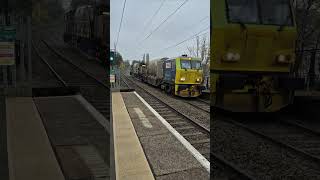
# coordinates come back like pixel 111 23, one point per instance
pixel 144 148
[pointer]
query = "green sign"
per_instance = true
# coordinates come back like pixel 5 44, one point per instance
pixel 7 45
pixel 7 34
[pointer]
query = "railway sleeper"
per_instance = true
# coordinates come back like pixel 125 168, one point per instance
pixel 158 106
pixel 187 131
pixel 192 134
pixel 163 110
pixel 168 115
pixel 195 137
pixel 200 141
pixel 178 124
pixel 170 121
pixel 184 127
pixel 202 147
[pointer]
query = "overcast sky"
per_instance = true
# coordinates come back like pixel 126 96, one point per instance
pixel 181 26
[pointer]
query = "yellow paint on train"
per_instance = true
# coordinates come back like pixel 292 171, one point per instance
pixel 252 51
pixel 192 76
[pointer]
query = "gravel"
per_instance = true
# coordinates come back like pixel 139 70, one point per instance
pixel 262 158
pixel 184 108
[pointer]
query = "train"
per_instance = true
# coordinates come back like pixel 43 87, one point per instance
pixel 253 54
pixel 181 76
pixel 87 28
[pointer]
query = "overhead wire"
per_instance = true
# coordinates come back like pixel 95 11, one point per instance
pixel 123 8
pixel 165 20
pixel 189 38
pixel 153 16
pixel 198 22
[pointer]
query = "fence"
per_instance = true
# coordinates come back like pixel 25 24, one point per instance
pixel 309 68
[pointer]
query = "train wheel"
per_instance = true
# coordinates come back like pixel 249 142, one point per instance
pixel 172 90
pixel 167 89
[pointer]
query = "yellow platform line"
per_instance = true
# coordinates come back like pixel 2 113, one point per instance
pixel 130 160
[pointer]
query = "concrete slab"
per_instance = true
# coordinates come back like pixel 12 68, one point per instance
pixel 130 160
pixel 144 109
pixel 167 155
pixel 132 101
pixel 69 122
pixel 29 150
pixel 127 97
pixel 72 164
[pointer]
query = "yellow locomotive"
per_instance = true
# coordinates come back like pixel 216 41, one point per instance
pixel 253 52
pixel 181 76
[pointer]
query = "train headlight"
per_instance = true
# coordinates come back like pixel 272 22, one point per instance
pixel 236 56
pixel 229 56
pixel 232 57
pixel 284 59
pixel 182 79
pixel 198 79
pixel 281 58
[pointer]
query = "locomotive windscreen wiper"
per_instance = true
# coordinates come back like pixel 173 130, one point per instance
pixel 242 25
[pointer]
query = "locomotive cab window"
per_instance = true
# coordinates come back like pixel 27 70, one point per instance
pixel 242 11
pixel 271 12
pixel 185 64
pixel 196 64
pixel 276 12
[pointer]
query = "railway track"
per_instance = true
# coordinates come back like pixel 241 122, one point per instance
pixel 223 169
pixel 71 75
pixel 199 104
pixel 301 140
pixel 197 135
pixel 284 133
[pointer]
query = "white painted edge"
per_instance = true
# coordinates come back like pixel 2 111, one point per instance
pixel 96 114
pixel 144 120
pixel 202 160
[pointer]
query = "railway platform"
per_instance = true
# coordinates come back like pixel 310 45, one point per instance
pixel 56 138
pixel 156 149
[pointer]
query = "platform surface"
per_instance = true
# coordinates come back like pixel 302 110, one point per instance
pixel 78 134
pixel 29 150
pixel 130 160
pixel 168 158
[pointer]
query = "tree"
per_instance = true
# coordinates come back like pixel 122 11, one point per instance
pixel 308 26
pixel 55 9
pixel 201 49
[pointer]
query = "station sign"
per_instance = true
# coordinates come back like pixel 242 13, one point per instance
pixel 7 45
pixel 112 78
